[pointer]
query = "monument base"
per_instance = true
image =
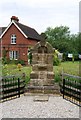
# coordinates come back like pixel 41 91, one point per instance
pixel 50 89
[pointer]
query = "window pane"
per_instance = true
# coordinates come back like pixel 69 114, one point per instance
pixel 10 55
pixel 13 38
pixel 16 54
pixel 13 55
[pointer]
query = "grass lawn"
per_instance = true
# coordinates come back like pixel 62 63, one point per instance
pixel 67 67
pixel 12 69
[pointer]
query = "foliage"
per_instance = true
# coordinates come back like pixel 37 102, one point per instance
pixel 12 69
pixel 4 53
pixel 65 56
pixel 19 67
pixel 27 79
pixel 79 39
pixel 5 70
pixel 67 67
pixel 20 62
pixel 61 39
pixel 0 67
pixel 4 58
pixel 56 60
pixel 8 61
pixel 57 78
pixel 30 56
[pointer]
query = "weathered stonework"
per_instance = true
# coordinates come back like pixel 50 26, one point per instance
pixel 42 74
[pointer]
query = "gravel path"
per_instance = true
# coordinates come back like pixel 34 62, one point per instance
pixel 26 107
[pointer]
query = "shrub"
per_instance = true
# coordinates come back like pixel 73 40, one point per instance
pixel 27 79
pixel 76 57
pixel 30 57
pixel 56 62
pixel 20 61
pixel 65 56
pixel 19 66
pixel 57 78
pixel 5 60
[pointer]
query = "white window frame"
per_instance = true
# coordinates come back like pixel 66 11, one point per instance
pixel 13 39
pixel 13 55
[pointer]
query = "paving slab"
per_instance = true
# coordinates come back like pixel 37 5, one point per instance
pixel 41 98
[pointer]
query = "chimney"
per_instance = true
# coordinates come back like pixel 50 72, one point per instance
pixel 15 18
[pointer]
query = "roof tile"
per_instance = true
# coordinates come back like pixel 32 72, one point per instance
pixel 29 32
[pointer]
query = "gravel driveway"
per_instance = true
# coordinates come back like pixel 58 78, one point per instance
pixel 26 107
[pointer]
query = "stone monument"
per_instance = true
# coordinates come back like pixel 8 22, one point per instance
pixel 42 75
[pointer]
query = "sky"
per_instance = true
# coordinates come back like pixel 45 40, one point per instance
pixel 41 14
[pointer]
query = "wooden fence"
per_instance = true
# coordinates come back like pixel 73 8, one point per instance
pixel 11 87
pixel 71 88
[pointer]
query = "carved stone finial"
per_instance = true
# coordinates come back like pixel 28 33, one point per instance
pixel 43 39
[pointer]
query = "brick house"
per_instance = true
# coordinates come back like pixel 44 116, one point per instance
pixel 16 39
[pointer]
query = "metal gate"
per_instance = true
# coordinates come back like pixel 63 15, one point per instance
pixel 71 88
pixel 11 87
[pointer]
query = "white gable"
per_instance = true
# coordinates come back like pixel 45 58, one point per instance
pixel 12 22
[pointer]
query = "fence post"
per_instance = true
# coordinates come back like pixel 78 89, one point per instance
pixel 80 95
pixel 63 87
pixel 62 74
pixel 2 88
pixel 19 87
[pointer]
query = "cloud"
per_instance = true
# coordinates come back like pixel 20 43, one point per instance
pixel 41 14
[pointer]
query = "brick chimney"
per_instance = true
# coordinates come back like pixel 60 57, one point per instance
pixel 15 18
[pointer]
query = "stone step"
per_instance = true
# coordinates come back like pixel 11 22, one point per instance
pixel 43 89
pixel 40 94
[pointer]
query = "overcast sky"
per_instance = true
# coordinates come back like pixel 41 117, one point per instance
pixel 40 14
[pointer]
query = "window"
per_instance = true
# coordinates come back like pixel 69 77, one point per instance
pixel 13 55
pixel 13 39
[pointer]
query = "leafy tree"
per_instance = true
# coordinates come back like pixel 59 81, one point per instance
pixel 61 39
pixel 79 43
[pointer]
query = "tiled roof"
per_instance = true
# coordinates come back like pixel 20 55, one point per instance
pixel 2 30
pixel 29 32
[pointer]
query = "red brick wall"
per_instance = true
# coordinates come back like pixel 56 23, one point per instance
pixel 21 45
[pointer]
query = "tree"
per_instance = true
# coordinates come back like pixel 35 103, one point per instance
pixel 57 35
pixel 79 42
pixel 61 39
